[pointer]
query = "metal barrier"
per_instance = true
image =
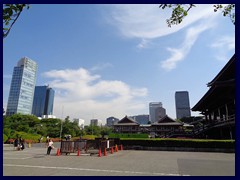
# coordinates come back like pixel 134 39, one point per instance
pixel 89 146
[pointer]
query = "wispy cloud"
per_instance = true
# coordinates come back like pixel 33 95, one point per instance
pixel 148 21
pixel 101 66
pixel 84 93
pixel 223 45
pixel 178 54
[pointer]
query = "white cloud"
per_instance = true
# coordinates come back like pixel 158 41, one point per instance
pixel 148 21
pixel 101 66
pixel 178 54
pixel 84 94
pixel 222 46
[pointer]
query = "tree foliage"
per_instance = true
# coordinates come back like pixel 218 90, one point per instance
pixel 11 13
pixel 180 11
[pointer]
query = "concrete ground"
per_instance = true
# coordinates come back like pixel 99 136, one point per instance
pixel 34 162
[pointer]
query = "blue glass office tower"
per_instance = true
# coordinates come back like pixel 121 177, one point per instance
pixel 43 101
pixel 22 87
pixel 182 104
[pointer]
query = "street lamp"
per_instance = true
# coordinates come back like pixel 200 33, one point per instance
pixel 61 124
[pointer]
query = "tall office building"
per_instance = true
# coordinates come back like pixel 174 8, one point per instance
pixel 156 111
pixel 22 87
pixel 43 101
pixel 182 104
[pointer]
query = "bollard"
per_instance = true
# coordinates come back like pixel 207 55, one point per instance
pixel 78 154
pixel 100 153
pixel 105 152
pixel 29 145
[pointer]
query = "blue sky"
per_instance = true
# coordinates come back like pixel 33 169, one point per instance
pixel 112 60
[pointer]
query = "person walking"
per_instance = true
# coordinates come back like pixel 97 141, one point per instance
pixel 50 146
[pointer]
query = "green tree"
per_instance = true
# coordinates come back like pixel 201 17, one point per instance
pixel 179 11
pixel 11 13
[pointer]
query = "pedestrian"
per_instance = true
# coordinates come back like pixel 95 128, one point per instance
pixel 50 147
pixel 47 141
pixel 16 143
pixel 22 144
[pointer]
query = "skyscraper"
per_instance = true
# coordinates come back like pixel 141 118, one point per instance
pixel 43 101
pixel 22 87
pixel 156 111
pixel 182 104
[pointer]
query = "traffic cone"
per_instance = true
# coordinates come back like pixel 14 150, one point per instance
pixel 105 152
pixel 121 147
pixel 116 148
pixel 58 152
pixel 78 154
pixel 112 150
pixel 100 153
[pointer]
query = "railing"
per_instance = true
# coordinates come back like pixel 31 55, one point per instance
pixel 196 131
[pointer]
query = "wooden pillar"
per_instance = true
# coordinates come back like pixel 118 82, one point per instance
pixel 226 107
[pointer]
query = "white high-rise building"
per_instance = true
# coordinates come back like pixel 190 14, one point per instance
pixel 156 111
pixel 80 122
pixel 22 88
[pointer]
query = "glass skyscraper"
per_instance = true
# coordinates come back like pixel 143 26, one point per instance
pixel 43 101
pixel 22 87
pixel 182 104
pixel 156 111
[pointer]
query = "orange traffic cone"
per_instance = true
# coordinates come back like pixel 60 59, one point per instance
pixel 105 152
pixel 100 153
pixel 116 148
pixel 78 154
pixel 58 152
pixel 112 150
pixel 121 147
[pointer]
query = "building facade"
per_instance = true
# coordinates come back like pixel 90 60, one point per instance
pixel 156 111
pixel 95 122
pixel 182 104
pixel 111 121
pixel 218 105
pixel 80 122
pixel 43 101
pixel 141 119
pixel 22 88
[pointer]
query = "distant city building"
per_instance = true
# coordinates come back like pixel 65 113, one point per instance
pixel 141 119
pixel 111 121
pixel 156 111
pixel 22 88
pixel 43 101
pixel 95 122
pixel 80 122
pixel 182 104
pixel 48 117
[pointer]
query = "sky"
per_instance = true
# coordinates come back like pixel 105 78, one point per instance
pixel 113 60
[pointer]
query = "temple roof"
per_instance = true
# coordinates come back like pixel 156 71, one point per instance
pixel 222 89
pixel 127 121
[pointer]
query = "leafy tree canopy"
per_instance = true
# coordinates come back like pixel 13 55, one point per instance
pixel 179 11
pixel 11 13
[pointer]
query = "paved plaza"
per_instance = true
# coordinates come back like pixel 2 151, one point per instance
pixel 34 162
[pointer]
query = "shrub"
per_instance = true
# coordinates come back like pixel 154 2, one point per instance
pixel 5 138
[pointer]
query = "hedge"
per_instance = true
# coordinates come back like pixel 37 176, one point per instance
pixel 186 143
pixel 5 138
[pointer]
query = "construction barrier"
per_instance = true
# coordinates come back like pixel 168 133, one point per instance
pixel 91 147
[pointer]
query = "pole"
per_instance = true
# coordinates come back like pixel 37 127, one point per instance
pixel 61 124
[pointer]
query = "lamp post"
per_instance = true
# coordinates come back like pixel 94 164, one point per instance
pixel 61 124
